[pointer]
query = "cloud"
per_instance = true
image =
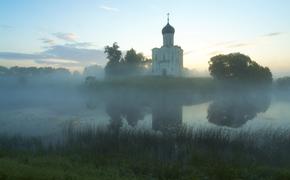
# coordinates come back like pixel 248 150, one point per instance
pixel 188 52
pixel 76 54
pixel 80 44
pixel 61 62
pixel 20 56
pixel 60 54
pixel 108 8
pixel 223 43
pixel 71 37
pixel 236 45
pixel 47 41
pixel 272 34
pixel 230 44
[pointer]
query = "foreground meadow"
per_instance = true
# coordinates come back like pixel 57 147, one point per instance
pixel 214 153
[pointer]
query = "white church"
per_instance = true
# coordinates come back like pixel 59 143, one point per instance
pixel 167 60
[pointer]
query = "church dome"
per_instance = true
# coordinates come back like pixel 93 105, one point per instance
pixel 168 29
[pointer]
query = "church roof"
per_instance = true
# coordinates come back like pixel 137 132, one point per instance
pixel 168 29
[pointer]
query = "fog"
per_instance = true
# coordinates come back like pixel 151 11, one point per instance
pixel 44 105
pixel 70 119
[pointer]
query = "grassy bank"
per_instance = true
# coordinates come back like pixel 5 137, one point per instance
pixel 124 154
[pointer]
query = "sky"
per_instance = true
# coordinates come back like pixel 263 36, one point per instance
pixel 73 33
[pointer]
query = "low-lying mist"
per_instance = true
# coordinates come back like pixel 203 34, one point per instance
pixel 42 105
pixel 160 126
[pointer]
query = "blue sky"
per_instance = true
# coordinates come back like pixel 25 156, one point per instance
pixel 72 33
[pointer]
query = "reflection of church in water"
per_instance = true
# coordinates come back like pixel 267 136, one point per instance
pixel 165 108
pixel 166 112
pixel 167 60
pixel 166 115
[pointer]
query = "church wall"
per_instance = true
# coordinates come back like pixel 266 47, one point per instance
pixel 169 59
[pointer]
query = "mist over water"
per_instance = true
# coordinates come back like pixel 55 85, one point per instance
pixel 44 106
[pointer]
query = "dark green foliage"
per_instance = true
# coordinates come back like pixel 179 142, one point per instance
pixel 114 56
pixel 132 64
pixel 239 68
pixel 113 53
pixel 133 58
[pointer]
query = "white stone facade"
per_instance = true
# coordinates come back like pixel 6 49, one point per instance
pixel 167 60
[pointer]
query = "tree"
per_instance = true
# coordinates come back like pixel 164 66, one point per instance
pixel 114 56
pixel 133 62
pixel 132 57
pixel 238 68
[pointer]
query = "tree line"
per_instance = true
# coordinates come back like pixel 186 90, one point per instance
pixel 234 68
pixel 32 71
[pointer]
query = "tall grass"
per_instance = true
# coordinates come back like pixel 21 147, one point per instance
pixel 268 146
pixel 217 153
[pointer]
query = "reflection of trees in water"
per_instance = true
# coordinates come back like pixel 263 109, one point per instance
pixel 228 109
pixel 166 114
pixel 234 110
pixel 118 111
pixel 119 106
pixel 166 108
pixel 132 106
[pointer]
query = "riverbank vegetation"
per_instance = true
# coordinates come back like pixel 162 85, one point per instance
pixel 88 153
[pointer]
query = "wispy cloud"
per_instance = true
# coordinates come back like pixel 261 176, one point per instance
pixel 21 56
pixel 236 45
pixel 188 52
pixel 60 54
pixel 108 8
pixel 273 34
pixel 218 47
pixel 76 54
pixel 80 44
pixel 223 43
pixel 47 41
pixel 230 44
pixel 59 62
pixel 71 37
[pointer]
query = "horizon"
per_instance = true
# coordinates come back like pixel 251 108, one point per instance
pixel 73 34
